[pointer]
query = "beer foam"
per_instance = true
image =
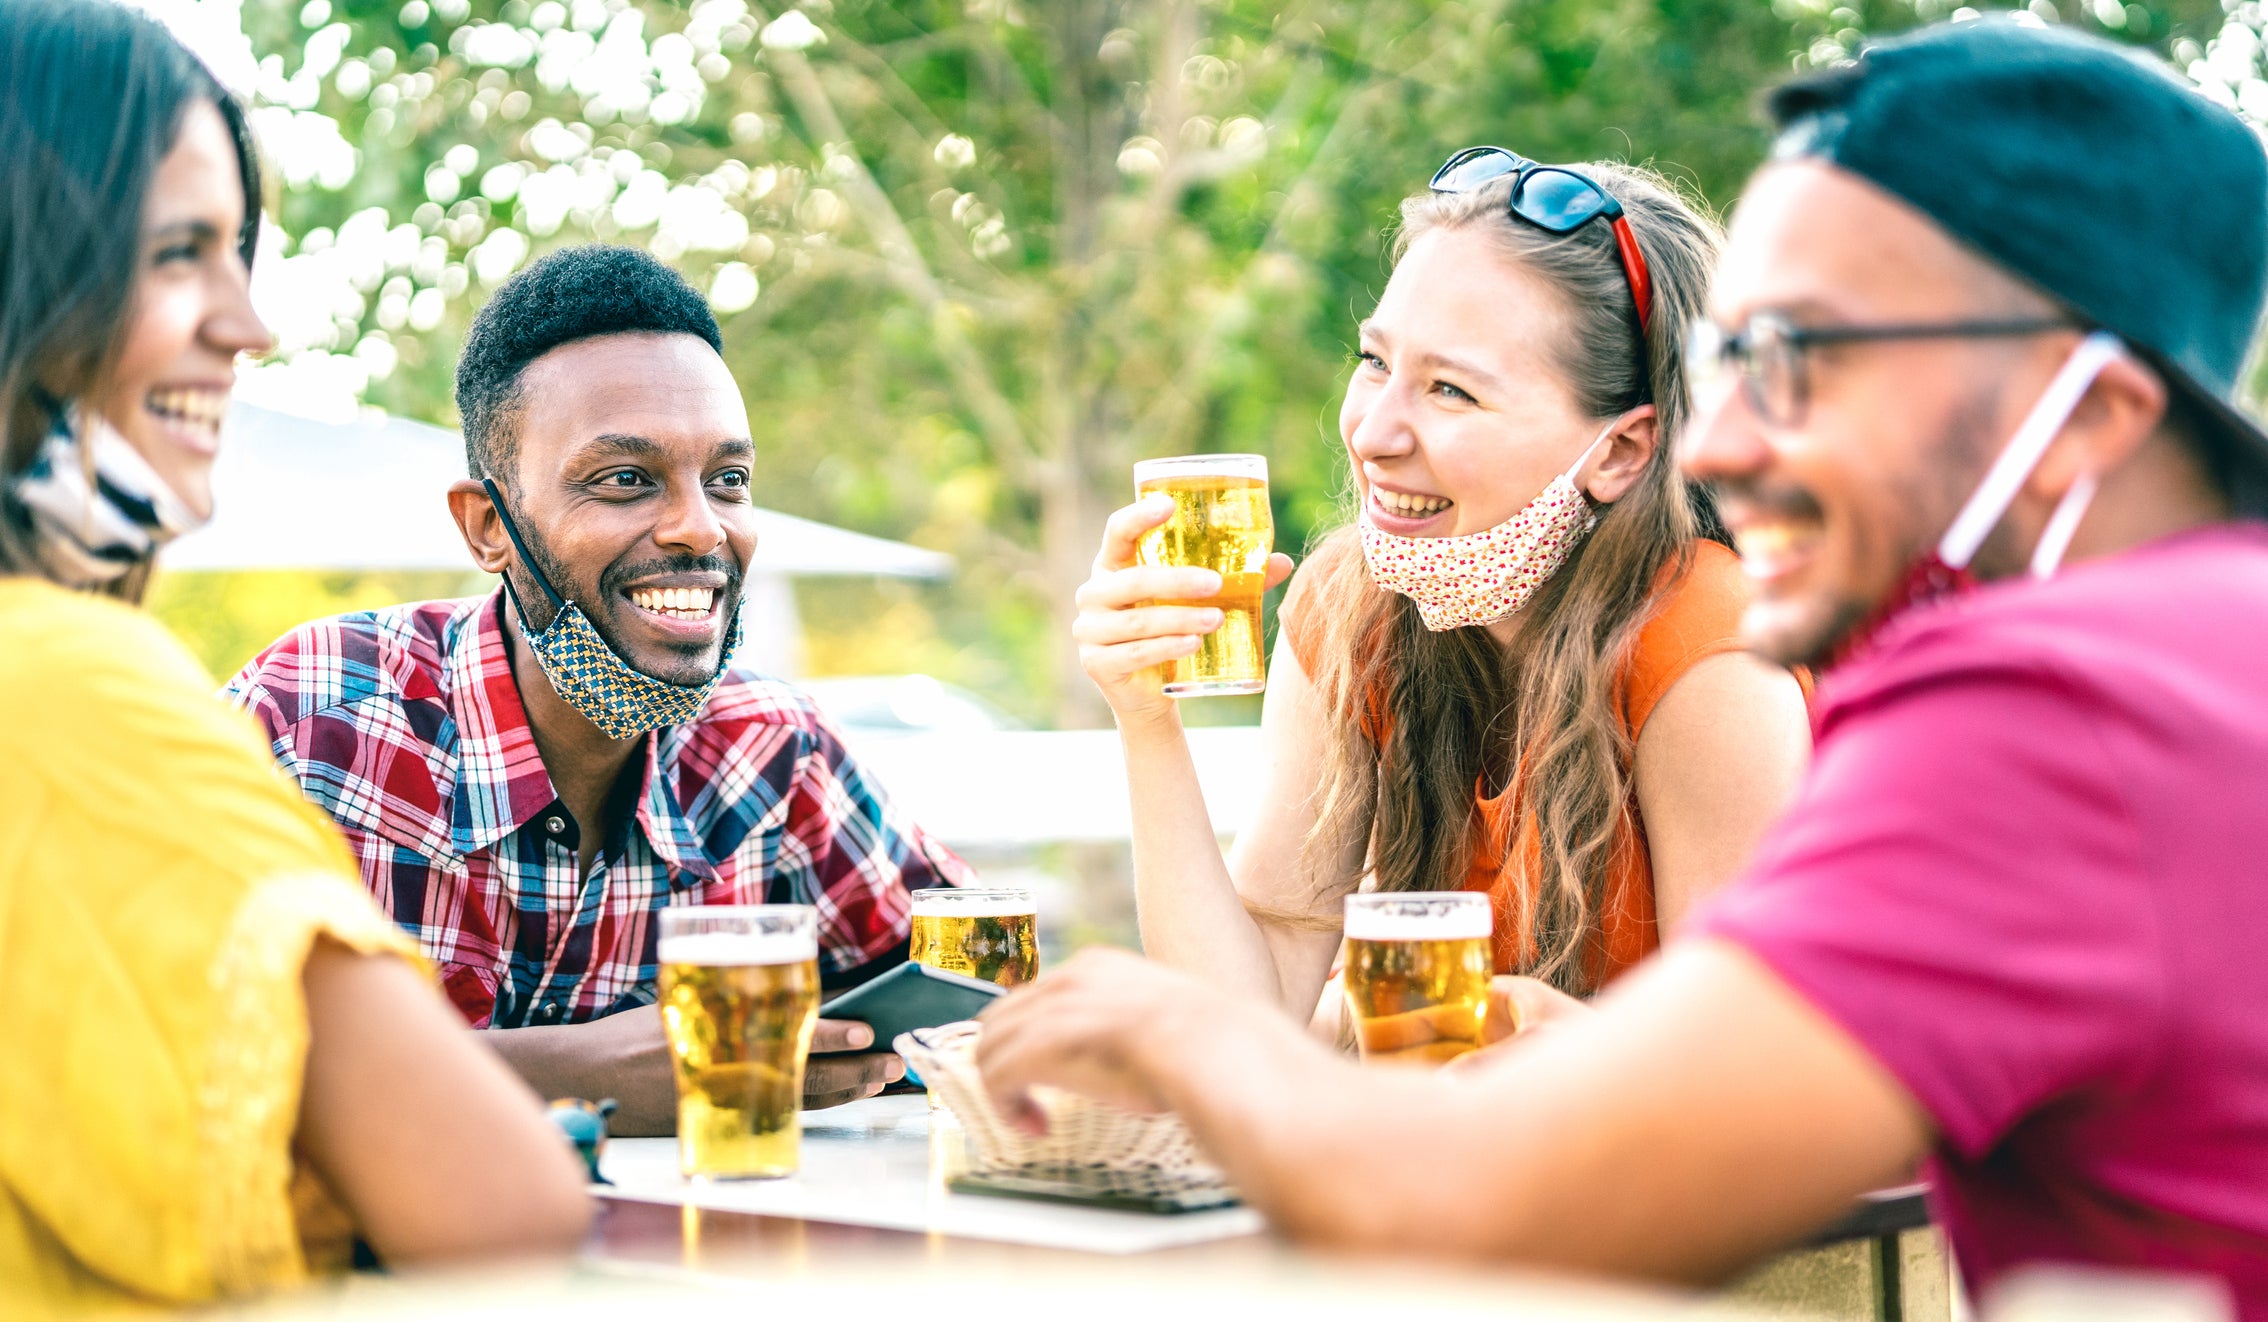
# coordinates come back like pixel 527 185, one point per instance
pixel 975 906
pixel 729 949
pixel 1462 924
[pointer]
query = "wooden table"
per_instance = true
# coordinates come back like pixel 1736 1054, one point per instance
pixel 889 1139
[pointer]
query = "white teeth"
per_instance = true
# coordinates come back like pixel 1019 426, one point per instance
pixel 200 408
pixel 1765 547
pixel 1412 506
pixel 684 603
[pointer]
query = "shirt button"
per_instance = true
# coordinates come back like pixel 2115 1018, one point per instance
pixel 548 1014
pixel 555 823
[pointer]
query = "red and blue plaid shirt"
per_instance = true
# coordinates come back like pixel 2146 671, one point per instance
pixel 405 725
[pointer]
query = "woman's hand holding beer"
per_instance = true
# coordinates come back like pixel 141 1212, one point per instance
pixel 1518 1009
pixel 1134 619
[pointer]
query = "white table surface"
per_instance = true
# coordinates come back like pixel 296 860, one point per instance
pixel 873 1163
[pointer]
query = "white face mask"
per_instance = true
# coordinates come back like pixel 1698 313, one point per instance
pixel 1483 577
pixel 1986 506
pixel 1945 573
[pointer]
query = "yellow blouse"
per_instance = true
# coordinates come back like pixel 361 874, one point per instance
pixel 160 888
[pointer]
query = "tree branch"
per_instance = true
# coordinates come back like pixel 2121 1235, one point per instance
pixel 902 257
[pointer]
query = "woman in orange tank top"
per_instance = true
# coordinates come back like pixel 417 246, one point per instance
pixel 1519 670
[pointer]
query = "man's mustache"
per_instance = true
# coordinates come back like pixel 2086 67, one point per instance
pixel 1741 500
pixel 619 576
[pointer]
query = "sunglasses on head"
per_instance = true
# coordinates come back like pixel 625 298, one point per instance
pixel 1554 199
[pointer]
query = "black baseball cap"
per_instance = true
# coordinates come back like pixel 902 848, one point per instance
pixel 2085 168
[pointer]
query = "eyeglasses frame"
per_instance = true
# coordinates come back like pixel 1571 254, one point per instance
pixel 1705 333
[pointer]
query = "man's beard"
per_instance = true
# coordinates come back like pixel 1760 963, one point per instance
pixel 1824 641
pixel 1968 444
pixel 598 607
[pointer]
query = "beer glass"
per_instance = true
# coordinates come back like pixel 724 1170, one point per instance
pixel 989 932
pixel 1220 522
pixel 1416 974
pixel 739 1001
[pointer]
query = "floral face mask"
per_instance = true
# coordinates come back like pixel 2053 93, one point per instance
pixel 1483 577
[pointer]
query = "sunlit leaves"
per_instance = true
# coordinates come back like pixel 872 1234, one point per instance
pixel 733 288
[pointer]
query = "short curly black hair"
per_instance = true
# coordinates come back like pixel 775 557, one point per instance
pixel 571 294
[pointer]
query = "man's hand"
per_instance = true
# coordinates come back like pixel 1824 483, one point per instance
pixel 621 1056
pixel 625 1056
pixel 1087 1027
pixel 835 1075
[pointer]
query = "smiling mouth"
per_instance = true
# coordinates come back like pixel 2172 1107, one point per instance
pixel 193 409
pixel 675 603
pixel 1408 506
pixel 1770 547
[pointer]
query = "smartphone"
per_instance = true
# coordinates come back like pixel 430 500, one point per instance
pixel 908 997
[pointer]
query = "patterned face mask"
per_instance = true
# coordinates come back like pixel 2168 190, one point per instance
pixel 621 701
pixel 89 535
pixel 1483 577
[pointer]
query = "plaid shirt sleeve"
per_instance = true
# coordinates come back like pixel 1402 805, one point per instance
pixel 791 817
pixel 861 855
pixel 247 692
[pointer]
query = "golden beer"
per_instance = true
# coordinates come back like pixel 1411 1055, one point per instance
pixel 988 933
pixel 1220 522
pixel 1416 976
pixel 739 1001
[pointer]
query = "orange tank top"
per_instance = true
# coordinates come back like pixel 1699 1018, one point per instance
pixel 1696 616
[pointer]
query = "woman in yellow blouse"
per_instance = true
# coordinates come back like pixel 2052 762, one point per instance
pixel 221 1062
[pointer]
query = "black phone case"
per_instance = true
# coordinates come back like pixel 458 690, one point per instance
pixel 908 997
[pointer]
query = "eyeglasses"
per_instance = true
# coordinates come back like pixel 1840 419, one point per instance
pixel 1554 199
pixel 1769 352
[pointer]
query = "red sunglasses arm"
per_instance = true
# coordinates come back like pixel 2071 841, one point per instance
pixel 1634 266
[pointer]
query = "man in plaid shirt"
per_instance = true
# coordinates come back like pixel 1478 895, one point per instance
pixel 525 825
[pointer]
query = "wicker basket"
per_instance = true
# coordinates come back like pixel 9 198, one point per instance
pixel 1101 1146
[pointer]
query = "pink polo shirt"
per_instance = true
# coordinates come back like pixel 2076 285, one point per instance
pixel 2029 872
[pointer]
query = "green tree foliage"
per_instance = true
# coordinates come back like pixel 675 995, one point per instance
pixel 975 258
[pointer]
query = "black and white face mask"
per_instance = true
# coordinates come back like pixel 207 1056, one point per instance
pixel 91 531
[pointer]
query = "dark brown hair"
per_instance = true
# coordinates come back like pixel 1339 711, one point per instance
pixel 91 99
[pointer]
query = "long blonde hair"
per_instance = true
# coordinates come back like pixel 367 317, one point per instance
pixel 1424 717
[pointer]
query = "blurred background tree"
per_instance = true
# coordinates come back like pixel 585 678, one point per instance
pixel 974 258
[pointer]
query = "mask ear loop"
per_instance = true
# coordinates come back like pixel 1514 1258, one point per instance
pixel 2062 526
pixel 2022 454
pixel 1591 450
pixel 512 531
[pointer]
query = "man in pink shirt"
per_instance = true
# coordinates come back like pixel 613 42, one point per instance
pixel 1964 395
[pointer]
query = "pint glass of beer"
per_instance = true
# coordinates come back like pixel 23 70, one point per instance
pixel 1220 522
pixel 1417 974
pixel 984 932
pixel 739 1000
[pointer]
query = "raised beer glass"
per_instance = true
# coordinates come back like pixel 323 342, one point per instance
pixel 1220 522
pixel 988 932
pixel 1417 974
pixel 739 1000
